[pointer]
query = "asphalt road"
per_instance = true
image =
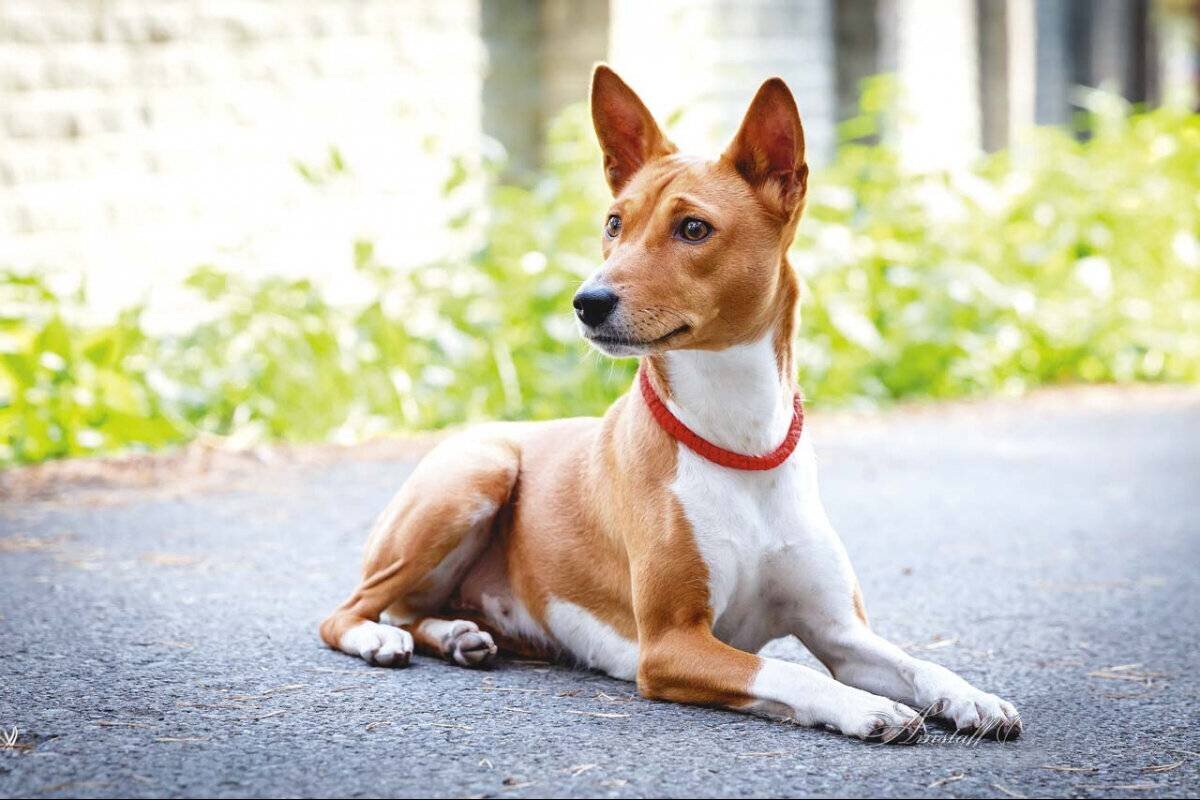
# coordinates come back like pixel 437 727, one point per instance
pixel 162 641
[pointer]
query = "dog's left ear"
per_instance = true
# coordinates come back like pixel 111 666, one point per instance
pixel 768 150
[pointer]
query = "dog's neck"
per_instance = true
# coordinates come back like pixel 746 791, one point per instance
pixel 739 398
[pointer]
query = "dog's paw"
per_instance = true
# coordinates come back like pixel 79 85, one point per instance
pixel 466 645
pixel 878 719
pixel 980 714
pixel 901 725
pixel 380 645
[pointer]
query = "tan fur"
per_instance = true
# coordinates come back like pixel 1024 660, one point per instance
pixel 860 607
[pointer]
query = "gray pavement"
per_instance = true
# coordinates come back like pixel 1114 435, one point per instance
pixel 163 642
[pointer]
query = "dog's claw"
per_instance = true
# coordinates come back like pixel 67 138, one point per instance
pixel 981 715
pixel 909 732
pixel 1011 728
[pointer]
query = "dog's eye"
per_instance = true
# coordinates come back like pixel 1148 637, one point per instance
pixel 613 227
pixel 694 230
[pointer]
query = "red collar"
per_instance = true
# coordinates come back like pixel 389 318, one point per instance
pixel 706 449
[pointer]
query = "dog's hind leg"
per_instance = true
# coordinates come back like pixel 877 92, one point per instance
pixel 459 641
pixel 424 542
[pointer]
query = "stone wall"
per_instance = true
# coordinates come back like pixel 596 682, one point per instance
pixel 142 137
pixel 139 138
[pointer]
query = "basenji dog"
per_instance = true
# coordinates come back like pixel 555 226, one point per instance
pixel 668 541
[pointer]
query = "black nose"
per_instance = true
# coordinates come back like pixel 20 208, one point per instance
pixel 594 305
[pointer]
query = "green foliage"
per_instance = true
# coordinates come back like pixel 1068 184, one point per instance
pixel 1060 260
pixel 67 388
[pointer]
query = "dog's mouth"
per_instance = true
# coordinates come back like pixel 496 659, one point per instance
pixel 622 342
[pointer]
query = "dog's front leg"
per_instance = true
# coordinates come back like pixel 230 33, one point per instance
pixel 831 622
pixel 692 666
pixel 859 657
pixel 679 659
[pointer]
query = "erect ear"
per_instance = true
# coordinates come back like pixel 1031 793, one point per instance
pixel 628 134
pixel 768 150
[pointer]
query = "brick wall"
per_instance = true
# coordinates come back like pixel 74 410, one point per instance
pixel 139 138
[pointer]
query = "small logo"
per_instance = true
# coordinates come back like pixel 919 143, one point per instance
pixel 954 738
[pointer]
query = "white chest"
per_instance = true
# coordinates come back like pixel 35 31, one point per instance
pixel 764 536
pixel 758 533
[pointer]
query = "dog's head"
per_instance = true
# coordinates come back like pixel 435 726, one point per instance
pixel 694 249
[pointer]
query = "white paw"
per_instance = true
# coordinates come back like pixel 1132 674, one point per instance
pixel 466 645
pixel 381 645
pixel 980 713
pixel 878 719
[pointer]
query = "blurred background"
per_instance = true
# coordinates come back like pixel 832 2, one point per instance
pixel 331 219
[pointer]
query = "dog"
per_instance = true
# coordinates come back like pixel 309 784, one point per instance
pixel 668 541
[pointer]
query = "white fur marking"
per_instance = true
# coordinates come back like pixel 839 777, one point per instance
pixel 811 698
pixel 440 629
pixel 762 534
pixel 594 644
pixel 735 398
pixel 377 644
pixel 510 617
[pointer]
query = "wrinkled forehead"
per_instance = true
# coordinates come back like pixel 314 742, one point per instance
pixel 679 178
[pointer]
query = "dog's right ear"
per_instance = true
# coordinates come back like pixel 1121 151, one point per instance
pixel 628 135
